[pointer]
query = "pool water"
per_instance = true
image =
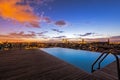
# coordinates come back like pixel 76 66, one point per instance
pixel 79 58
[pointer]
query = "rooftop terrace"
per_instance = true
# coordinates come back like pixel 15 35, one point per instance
pixel 34 64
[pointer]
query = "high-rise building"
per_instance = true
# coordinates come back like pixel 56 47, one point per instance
pixel 108 41
pixel 83 41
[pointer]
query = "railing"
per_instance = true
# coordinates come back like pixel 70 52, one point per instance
pixel 101 59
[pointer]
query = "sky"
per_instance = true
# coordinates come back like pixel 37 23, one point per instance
pixel 53 20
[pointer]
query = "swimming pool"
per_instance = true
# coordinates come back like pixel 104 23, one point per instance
pixel 79 58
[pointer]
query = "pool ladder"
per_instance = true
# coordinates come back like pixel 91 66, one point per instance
pixel 101 59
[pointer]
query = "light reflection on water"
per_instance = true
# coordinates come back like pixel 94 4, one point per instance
pixel 79 58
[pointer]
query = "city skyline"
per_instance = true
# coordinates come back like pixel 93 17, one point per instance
pixel 52 20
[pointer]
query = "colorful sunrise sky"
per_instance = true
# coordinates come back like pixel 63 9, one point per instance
pixel 51 20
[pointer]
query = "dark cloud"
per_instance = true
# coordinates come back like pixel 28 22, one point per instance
pixel 35 24
pixel 35 2
pixel 60 37
pixel 117 37
pixel 42 33
pixel 56 30
pixel 112 39
pixel 60 23
pixel 22 35
pixel 32 32
pixel 86 34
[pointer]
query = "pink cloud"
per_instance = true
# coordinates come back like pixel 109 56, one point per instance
pixel 47 20
pixel 18 35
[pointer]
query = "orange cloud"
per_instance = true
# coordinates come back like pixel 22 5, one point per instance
pixel 9 9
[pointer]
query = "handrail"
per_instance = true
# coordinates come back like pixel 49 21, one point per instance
pixel 101 61
pixel 117 63
pixel 92 70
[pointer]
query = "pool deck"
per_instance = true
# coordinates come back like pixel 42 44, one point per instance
pixel 107 73
pixel 34 64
